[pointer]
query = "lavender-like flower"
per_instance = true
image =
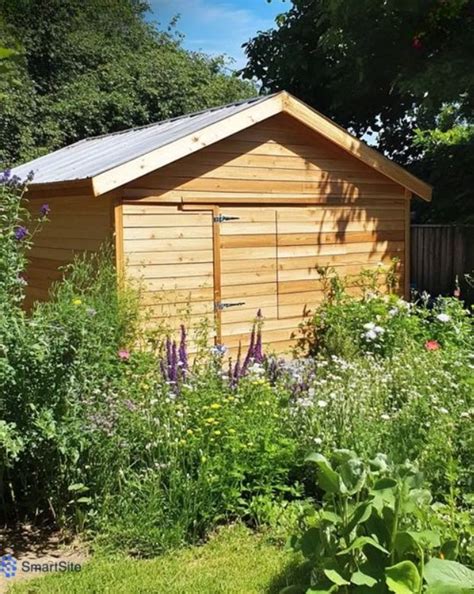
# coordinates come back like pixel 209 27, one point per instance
pixel 20 233
pixel 44 210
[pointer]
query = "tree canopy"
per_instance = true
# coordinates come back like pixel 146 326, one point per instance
pixel 88 67
pixel 401 69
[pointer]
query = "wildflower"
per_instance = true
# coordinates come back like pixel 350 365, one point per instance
pixel 91 311
pixel 231 431
pixel 124 355
pixel 318 440
pixel 190 432
pixel 432 345
pixel 203 459
pixel 21 233
pixel 393 312
pixel 217 432
pixel 216 406
pixel 385 417
pixel 371 335
pixel 219 350
pixel 210 420
pixel 443 317
pixel 76 301
pixel 44 210
pixel 304 402
pixel 322 403
pixel 443 410
pixel 130 405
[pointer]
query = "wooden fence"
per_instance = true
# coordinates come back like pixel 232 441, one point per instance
pixel 439 254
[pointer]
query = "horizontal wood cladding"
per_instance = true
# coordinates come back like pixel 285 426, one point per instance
pixel 299 203
pixel 75 224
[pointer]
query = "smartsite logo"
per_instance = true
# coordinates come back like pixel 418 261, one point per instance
pixel 8 566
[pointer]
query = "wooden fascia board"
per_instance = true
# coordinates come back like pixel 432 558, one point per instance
pixel 327 128
pixel 82 187
pixel 122 174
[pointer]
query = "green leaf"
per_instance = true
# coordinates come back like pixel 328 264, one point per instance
pixel 329 479
pixel 360 515
pixel 449 550
pixel 362 579
pixel 403 578
pixel 78 488
pixel 311 543
pixel 449 573
pixel 330 517
pixel 384 483
pixel 336 577
pixel 353 474
pixel 446 589
pixel 361 542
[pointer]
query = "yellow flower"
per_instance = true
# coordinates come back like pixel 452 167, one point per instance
pixel 216 406
pixel 189 431
pixel 210 420
pixel 182 441
pixel 203 459
pixel 76 301
pixel 231 430
pixel 217 432
pixel 267 402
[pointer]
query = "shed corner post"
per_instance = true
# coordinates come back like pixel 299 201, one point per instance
pixel 117 222
pixel 407 250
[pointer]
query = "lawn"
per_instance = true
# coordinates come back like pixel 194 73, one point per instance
pixel 226 564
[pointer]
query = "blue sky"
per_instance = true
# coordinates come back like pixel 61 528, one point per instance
pixel 219 26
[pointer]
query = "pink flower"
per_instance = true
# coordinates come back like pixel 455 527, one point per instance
pixel 432 345
pixel 417 43
pixel 124 355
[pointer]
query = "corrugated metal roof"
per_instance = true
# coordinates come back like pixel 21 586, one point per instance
pixel 92 156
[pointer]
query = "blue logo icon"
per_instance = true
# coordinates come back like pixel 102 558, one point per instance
pixel 8 566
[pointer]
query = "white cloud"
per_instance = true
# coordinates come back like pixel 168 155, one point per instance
pixel 212 26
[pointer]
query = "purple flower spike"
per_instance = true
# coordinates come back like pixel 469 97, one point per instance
pixel 45 210
pixel 21 233
pixel 183 354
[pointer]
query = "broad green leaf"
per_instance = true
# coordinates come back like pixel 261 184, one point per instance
pixel 335 577
pixel 323 588
pixel 330 517
pixel 449 550
pixel 446 589
pixel 449 573
pixel 310 543
pixel 361 513
pixel 403 578
pixel 426 538
pixel 341 455
pixel 353 474
pixel 362 579
pixel 329 479
pixel 384 483
pixel 379 463
pixel 361 542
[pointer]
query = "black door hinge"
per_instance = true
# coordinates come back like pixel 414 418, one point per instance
pixel 223 218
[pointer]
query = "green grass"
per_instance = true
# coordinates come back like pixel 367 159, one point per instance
pixel 234 561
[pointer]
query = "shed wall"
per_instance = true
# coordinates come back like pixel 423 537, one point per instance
pixel 76 224
pixel 300 203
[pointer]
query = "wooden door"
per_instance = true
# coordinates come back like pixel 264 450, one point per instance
pixel 248 271
pixel 170 252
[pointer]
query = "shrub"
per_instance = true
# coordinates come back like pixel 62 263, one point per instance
pixel 373 531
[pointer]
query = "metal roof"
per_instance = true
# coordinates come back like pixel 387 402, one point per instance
pixel 92 156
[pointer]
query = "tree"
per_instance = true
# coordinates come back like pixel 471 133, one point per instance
pixel 393 67
pixel 88 67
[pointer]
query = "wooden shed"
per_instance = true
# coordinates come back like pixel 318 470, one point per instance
pixel 226 211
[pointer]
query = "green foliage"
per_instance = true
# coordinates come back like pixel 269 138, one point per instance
pixel 88 68
pixel 396 69
pixel 372 531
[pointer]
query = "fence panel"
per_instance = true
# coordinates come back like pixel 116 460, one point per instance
pixel 439 254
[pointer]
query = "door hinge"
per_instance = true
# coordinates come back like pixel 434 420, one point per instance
pixel 226 305
pixel 223 218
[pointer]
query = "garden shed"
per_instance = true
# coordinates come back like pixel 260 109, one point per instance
pixel 226 211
